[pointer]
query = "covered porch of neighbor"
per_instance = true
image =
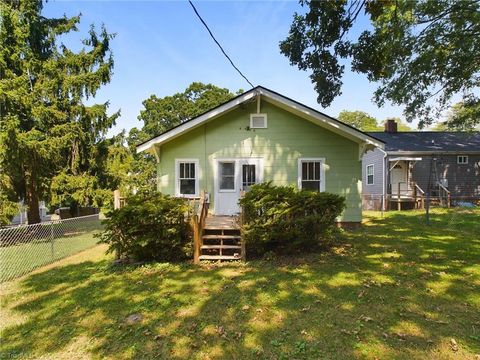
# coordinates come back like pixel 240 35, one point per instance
pixel 402 191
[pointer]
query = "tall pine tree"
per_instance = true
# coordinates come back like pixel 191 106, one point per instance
pixel 46 130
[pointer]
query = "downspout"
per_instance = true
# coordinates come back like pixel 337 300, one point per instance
pixel 383 177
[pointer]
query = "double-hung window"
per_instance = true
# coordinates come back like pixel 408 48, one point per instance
pixel 187 178
pixel 370 174
pixel 311 174
pixel 462 159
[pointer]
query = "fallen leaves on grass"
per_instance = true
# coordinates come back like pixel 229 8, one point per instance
pixel 453 344
pixel 365 318
pixel 221 331
pixel 133 319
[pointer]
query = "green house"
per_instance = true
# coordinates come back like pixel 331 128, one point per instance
pixel 259 136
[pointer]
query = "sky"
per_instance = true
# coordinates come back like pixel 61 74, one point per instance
pixel 161 47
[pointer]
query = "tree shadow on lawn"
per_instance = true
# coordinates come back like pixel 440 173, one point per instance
pixel 395 289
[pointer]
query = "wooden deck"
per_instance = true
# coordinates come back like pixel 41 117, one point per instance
pixel 222 223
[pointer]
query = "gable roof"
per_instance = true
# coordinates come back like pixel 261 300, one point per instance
pixel 430 141
pixel 275 98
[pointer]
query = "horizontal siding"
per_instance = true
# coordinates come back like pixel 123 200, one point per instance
pixel 463 179
pixel 375 157
pixel 286 139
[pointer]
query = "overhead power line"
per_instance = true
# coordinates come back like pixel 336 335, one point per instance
pixel 220 46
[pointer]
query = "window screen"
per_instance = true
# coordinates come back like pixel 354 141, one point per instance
pixel 227 175
pixel 187 178
pixel 311 175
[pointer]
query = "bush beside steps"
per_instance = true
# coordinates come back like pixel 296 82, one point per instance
pixel 150 227
pixel 284 220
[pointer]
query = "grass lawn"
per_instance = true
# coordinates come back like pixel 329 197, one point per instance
pixel 22 258
pixel 395 289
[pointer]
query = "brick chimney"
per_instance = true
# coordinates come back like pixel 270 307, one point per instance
pixel 390 126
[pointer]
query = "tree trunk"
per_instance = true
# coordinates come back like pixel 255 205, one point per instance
pixel 33 212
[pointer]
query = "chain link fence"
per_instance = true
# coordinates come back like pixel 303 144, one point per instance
pixel 26 247
pixel 377 202
pixel 451 208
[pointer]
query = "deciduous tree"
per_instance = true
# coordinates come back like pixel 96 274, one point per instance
pixel 360 120
pixel 421 53
pixel 461 117
pixel 161 114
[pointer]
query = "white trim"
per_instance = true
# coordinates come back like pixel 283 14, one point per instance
pixel 406 158
pixel 462 157
pixel 258 115
pixel 322 172
pixel 197 178
pixel 373 174
pixel 437 152
pixel 287 104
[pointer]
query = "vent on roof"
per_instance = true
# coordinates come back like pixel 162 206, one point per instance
pixel 258 121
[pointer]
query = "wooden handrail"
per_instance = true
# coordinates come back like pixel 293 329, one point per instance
pixel 447 193
pixel 419 189
pixel 198 222
pixel 242 221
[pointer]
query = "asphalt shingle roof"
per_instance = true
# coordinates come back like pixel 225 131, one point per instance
pixel 429 141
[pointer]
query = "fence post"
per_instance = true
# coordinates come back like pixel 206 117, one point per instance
pixel 415 195
pixel 51 240
pixel 427 208
pixel 382 205
pixel 399 204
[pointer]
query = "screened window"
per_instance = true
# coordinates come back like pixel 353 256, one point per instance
pixel 310 174
pixel 462 159
pixel 370 174
pixel 227 175
pixel 187 178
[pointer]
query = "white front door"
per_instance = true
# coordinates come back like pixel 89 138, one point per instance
pixel 398 176
pixel 232 176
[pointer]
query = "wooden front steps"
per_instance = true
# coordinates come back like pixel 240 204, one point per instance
pixel 221 239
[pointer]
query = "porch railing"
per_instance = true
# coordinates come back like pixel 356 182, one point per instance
pixel 444 194
pixel 197 223
pixel 241 220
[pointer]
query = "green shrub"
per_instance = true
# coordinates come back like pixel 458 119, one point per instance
pixel 284 220
pixel 149 227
